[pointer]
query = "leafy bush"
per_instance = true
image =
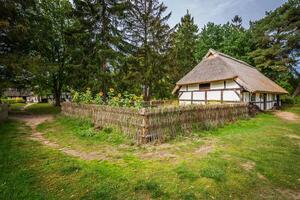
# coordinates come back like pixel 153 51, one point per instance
pixel 13 100
pixel 75 96
pixel 99 98
pixel 288 100
pixel 113 98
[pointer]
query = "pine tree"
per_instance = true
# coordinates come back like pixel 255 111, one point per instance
pixel 149 33
pixel 227 38
pixel 277 44
pixel 102 40
pixel 184 45
pixel 237 21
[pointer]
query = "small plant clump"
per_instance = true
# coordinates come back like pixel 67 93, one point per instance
pixel 13 100
pixel 112 98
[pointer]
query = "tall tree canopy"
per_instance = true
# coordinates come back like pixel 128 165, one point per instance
pixel 51 45
pixel 184 46
pixel 149 33
pixel 230 38
pixel 277 40
pixel 14 35
pixel 56 45
pixel 102 41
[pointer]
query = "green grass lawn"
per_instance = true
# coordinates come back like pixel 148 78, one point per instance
pixel 43 108
pixel 16 106
pixel 251 159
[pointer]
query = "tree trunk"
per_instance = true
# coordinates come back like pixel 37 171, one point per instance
pixel 297 91
pixel 146 91
pixel 56 91
pixel 57 95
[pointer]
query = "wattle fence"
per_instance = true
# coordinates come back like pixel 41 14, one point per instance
pixel 3 112
pixel 158 124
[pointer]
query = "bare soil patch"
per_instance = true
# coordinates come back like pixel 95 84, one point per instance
pixel 204 150
pixel 288 116
pixel 249 165
pixel 289 194
pixel 34 120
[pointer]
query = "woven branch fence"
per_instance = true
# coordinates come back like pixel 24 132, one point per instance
pixel 3 112
pixel 158 124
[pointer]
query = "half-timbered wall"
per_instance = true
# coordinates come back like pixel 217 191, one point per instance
pixel 271 100
pixel 220 91
pixel 224 92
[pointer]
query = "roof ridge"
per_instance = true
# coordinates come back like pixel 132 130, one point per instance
pixel 230 57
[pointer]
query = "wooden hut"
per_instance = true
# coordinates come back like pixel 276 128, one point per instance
pixel 220 78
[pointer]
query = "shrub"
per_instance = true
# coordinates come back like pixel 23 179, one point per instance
pixel 288 100
pixel 87 96
pixel 75 96
pixel 99 98
pixel 13 100
pixel 113 98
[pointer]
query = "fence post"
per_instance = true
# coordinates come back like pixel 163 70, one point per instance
pixel 145 126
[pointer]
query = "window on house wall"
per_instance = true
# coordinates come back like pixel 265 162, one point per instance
pixel 253 95
pixel 205 86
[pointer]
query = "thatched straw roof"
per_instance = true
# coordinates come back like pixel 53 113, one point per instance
pixel 217 66
pixel 13 92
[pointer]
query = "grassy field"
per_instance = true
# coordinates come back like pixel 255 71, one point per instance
pixel 17 106
pixel 42 108
pixel 37 108
pixel 251 159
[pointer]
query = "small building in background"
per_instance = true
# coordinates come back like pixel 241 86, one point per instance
pixel 220 78
pixel 26 95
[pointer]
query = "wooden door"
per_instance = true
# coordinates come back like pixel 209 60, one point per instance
pixel 265 101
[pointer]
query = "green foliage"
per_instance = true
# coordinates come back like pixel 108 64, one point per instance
pixel 277 50
pixel 229 38
pixel 150 37
pixel 99 98
pixel 75 96
pixel 112 99
pixel 13 100
pixel 184 45
pixel 289 100
pixel 87 97
pixel 51 46
pixel 43 108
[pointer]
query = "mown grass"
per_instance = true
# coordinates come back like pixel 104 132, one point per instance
pixel 251 159
pixel 43 108
pixel 80 134
pixel 16 106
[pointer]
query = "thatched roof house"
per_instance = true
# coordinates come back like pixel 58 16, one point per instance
pixel 218 70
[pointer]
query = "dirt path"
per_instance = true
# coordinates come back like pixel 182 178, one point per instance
pixel 34 120
pixel 288 116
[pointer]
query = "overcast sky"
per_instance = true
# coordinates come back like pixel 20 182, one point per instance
pixel 220 11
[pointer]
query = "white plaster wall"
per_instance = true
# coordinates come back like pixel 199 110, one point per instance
pixel 199 96
pixel 213 95
pixel 231 84
pixel 186 96
pixel 217 85
pixel 230 96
